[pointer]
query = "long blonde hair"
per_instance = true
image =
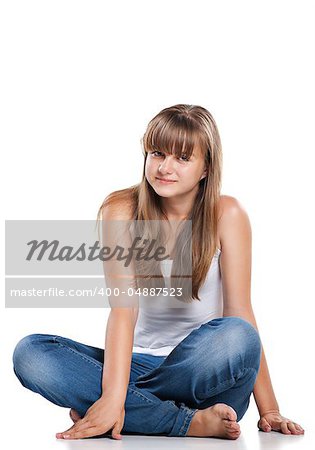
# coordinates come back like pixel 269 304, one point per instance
pixel 176 130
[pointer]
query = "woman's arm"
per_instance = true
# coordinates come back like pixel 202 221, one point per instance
pixel 263 391
pixel 235 264
pixel 118 353
pixel 108 411
pixel 123 315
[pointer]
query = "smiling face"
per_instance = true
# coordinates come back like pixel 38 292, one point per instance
pixel 171 176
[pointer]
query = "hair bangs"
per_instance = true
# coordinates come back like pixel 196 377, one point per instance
pixel 177 135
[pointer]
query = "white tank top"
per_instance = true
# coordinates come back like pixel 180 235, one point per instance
pixel 158 331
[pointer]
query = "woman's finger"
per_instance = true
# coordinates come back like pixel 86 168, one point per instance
pixel 89 432
pixel 72 434
pixel 284 427
pixel 79 425
pixel 82 427
pixel 299 427
pixel 293 428
pixel 116 431
pixel 66 431
pixel 264 425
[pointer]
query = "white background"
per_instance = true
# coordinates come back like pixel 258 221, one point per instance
pixel 79 82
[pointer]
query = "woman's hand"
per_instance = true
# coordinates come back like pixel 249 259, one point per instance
pixel 273 420
pixel 102 416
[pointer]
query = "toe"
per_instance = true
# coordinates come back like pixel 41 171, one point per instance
pixel 231 414
pixel 233 426
pixel 235 435
pixel 227 412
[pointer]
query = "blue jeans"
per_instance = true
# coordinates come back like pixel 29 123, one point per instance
pixel 216 363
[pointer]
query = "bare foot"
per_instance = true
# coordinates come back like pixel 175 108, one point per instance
pixel 74 415
pixel 218 420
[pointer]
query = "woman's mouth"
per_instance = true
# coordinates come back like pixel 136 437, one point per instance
pixel 165 181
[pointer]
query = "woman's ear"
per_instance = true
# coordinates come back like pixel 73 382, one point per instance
pixel 204 174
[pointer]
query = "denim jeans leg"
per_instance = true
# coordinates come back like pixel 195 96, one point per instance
pixel 64 371
pixel 69 374
pixel 216 363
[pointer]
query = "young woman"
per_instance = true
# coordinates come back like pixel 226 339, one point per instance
pixel 184 371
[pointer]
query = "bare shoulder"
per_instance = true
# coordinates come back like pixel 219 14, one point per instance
pixel 232 214
pixel 119 209
pixel 230 206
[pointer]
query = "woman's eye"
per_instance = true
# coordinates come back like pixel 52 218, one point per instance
pixel 156 151
pixel 157 154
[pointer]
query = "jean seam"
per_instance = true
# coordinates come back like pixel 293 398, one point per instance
pixel 188 417
pixel 241 373
pixel 84 357
pixel 139 394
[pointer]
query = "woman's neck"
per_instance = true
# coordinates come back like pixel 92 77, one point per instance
pixel 179 207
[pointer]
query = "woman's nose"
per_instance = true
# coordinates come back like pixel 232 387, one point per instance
pixel 167 165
